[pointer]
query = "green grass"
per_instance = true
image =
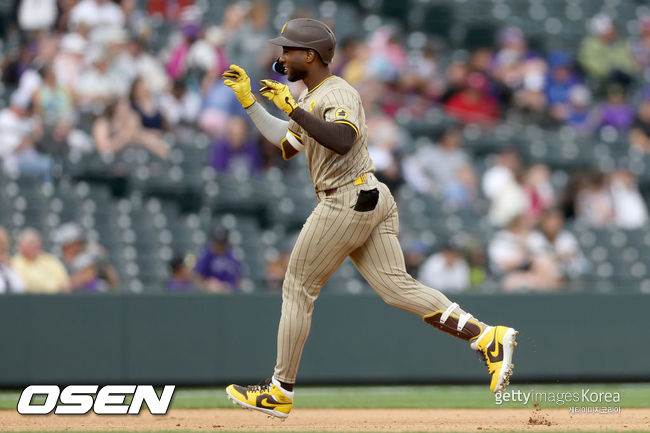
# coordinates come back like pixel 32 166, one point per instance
pixel 423 397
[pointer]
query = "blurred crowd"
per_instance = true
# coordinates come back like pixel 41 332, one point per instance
pixel 90 76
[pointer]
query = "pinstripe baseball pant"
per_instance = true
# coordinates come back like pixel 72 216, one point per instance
pixel 333 232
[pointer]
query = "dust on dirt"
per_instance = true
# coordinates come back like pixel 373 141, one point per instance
pixel 538 417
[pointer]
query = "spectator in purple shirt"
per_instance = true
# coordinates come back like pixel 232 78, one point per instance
pixel 217 268
pixel 181 276
pixel 615 111
pixel 236 151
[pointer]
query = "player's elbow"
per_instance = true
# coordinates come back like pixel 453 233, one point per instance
pixel 347 138
pixel 344 148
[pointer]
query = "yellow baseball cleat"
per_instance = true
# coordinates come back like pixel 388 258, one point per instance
pixel 266 397
pixel 495 346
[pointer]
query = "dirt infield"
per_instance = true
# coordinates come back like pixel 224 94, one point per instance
pixel 359 420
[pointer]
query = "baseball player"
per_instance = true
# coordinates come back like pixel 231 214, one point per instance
pixel 356 215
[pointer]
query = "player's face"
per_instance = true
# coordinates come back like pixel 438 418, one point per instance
pixel 294 61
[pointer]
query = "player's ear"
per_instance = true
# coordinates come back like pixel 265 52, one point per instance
pixel 310 56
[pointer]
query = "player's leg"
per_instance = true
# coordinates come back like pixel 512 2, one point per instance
pixel 381 262
pixel 330 233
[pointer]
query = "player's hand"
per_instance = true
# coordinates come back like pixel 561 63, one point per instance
pixel 280 95
pixel 239 82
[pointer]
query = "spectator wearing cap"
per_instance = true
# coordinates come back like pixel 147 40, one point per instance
pixel 515 67
pixel 578 115
pixel 508 61
pixel 217 269
pixel 19 133
pixel 447 270
pixel 178 61
pixel 10 281
pixel 42 272
pixel 559 82
pixel 181 279
pixel 89 268
pixel 68 63
pixel 604 56
pixel 474 104
pixel 640 133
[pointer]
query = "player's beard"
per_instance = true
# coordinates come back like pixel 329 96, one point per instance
pixel 296 74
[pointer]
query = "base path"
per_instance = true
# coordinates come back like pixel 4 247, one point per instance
pixel 358 420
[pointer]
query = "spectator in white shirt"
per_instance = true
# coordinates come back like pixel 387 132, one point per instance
pixel 553 240
pixel 446 270
pixel 18 136
pixel 10 281
pixel 502 173
pixel 630 210
pixel 96 84
pixel 435 168
pixel 516 265
pixel 510 201
pixel 69 61
pixel 96 13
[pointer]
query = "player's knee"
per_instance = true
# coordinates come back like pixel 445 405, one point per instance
pixel 395 301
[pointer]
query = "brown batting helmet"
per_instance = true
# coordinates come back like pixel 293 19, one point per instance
pixel 308 33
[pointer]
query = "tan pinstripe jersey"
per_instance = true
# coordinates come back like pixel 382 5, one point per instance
pixel 334 100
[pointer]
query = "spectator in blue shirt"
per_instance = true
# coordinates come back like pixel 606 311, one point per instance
pixel 560 80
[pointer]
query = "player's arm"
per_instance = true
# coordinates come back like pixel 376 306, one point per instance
pixel 336 136
pixel 273 129
pixel 277 131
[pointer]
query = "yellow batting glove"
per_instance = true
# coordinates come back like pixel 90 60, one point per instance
pixel 239 82
pixel 280 95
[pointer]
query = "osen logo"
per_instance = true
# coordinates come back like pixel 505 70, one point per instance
pixel 109 400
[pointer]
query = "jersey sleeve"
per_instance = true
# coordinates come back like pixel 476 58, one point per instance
pixel 342 106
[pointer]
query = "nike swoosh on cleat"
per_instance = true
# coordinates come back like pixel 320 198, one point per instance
pixel 498 355
pixel 264 400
